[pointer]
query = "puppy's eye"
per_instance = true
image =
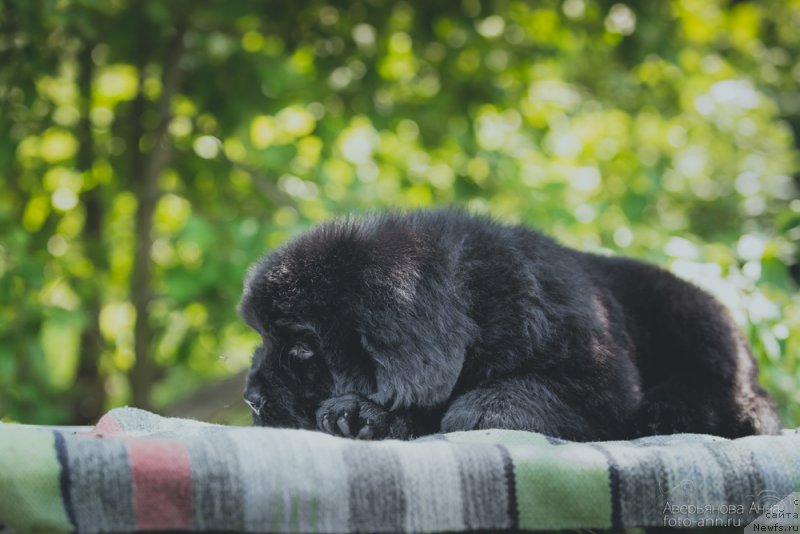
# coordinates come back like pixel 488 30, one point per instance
pixel 301 351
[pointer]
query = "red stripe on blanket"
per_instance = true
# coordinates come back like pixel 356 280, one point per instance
pixel 162 484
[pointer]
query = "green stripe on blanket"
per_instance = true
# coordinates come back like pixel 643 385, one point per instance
pixel 548 479
pixel 30 485
pixel 139 471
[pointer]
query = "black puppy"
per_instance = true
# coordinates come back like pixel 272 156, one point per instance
pixel 399 325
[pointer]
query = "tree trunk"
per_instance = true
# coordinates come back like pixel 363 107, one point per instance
pixel 89 393
pixel 146 172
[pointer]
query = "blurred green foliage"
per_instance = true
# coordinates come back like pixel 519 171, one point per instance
pixel 149 151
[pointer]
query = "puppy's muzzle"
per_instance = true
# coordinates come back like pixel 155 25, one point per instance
pixel 255 401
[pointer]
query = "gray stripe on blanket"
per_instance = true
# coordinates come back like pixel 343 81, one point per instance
pixel 261 476
pixel 375 482
pixel 484 489
pixel 291 486
pixel 431 487
pixel 217 502
pixel 101 486
pixel 741 481
pixel 693 477
pixel 777 461
pixel 640 471
pixel 322 470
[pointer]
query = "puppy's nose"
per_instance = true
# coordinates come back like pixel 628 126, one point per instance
pixel 255 401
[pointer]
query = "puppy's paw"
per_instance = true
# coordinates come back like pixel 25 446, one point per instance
pixel 354 416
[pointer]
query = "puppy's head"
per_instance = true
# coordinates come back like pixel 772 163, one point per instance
pixel 310 302
pixel 289 375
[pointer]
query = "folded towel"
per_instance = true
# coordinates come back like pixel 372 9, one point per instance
pixel 138 471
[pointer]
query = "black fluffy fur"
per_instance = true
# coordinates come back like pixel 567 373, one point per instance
pixel 399 325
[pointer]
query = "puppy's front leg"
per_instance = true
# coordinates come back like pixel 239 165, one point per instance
pixel 355 416
pixel 525 402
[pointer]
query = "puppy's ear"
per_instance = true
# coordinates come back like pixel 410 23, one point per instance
pixel 252 306
pixel 418 349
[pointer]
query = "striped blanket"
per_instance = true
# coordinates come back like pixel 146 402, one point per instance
pixel 139 471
